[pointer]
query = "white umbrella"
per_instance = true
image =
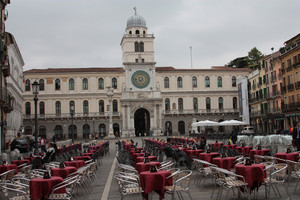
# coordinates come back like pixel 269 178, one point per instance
pixel 205 123
pixel 232 123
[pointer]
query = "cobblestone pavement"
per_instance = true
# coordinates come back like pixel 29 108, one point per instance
pixel 108 188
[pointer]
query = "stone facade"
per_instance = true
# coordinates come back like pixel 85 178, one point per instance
pixel 146 99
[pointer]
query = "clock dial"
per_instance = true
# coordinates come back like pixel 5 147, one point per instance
pixel 140 79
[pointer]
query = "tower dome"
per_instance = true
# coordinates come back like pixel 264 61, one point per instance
pixel 136 21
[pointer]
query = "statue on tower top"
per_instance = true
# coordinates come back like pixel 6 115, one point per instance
pixel 134 8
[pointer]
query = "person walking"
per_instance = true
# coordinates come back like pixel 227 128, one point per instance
pixel 43 145
pixel 233 135
pixel 296 136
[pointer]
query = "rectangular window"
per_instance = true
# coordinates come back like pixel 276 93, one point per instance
pixel 260 81
pixel 57 85
pixel 289 63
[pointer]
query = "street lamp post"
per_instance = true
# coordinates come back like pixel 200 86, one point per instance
pixel 72 127
pixel 110 93
pixel 35 91
pixel 86 133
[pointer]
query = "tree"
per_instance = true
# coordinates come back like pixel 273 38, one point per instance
pixel 240 62
pixel 250 61
pixel 254 54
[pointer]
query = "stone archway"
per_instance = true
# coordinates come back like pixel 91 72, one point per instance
pixel 142 122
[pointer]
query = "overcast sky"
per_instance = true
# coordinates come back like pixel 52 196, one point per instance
pixel 87 33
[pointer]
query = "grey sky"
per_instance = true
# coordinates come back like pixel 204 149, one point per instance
pixel 87 33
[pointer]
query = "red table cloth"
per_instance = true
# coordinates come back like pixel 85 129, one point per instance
pixel 141 158
pixel 261 152
pixel 141 166
pixel 288 156
pixel 208 156
pixel 41 188
pixel 225 163
pixel 63 172
pixel 216 146
pixel 82 158
pixel 244 150
pixel 127 146
pixel 195 153
pixel 155 181
pixel 92 151
pixel 87 154
pixel 254 174
pixel 185 149
pixel 135 155
pixel 20 162
pixel 230 146
pixel 30 158
pixel 5 168
pixel 94 148
pixel 75 163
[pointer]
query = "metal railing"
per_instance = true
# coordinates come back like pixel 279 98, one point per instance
pixel 199 111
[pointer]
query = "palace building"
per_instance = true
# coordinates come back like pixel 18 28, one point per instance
pixel 136 99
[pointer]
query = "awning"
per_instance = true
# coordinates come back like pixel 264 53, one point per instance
pixel 279 119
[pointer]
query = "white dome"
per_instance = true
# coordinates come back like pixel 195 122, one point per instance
pixel 136 21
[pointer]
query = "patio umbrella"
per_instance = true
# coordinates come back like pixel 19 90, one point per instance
pixel 205 123
pixel 232 123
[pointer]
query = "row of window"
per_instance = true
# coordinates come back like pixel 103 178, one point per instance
pixel 114 83
pixel 115 105
pixel 72 103
pixel 59 130
pixel 195 103
pixel 195 82
pixel 85 84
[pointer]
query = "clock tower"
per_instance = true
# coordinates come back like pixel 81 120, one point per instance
pixel 141 97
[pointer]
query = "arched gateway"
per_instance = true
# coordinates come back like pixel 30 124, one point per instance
pixel 142 122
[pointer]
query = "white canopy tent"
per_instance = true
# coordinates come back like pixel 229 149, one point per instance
pixel 232 123
pixel 205 123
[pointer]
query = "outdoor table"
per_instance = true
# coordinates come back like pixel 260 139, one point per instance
pixel 216 146
pixel 244 150
pixel 142 158
pixel 95 148
pixel 195 152
pixel 87 154
pixel 30 158
pixel 135 155
pixel 185 149
pixel 261 152
pixel 230 146
pixel 132 151
pixel 208 156
pixel 176 146
pixel 141 166
pixel 155 181
pixel 20 162
pixel 82 158
pixel 75 163
pixel 225 163
pixel 41 188
pixel 288 156
pixel 127 146
pixel 62 172
pixel 5 168
pixel 254 174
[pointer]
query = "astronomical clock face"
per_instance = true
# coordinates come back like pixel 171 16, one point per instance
pixel 140 79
